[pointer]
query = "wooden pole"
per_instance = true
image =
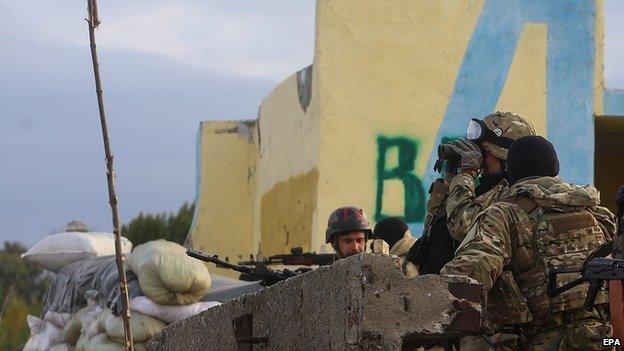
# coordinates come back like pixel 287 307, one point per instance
pixel 94 21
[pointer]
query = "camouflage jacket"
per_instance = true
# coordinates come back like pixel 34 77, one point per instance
pixel 493 251
pixel 401 248
pixel 463 206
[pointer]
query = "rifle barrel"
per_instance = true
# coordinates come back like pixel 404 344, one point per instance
pixel 215 259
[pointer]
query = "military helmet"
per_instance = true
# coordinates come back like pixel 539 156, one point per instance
pixel 346 219
pixel 498 130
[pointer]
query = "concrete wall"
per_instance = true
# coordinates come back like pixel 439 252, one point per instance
pixel 226 189
pixel 392 79
pixel 286 201
pixel 360 303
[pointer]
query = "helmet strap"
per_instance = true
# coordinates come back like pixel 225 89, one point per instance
pixel 336 247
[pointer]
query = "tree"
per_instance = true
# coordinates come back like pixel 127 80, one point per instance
pixel 168 226
pixel 22 290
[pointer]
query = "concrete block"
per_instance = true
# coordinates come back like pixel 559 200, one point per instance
pixel 363 302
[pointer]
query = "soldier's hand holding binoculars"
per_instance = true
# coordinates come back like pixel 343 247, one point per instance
pixel 461 155
pixel 469 153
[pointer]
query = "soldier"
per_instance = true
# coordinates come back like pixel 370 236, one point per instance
pixel 542 223
pixel 395 232
pixel 452 208
pixel 347 231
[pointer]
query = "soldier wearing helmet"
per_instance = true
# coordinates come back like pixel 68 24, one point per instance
pixel 347 231
pixel 455 200
pixel 483 153
pixel 541 223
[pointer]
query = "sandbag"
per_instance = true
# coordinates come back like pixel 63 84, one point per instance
pixel 83 322
pixel 168 313
pixel 43 334
pixel 63 347
pixel 167 275
pixel 101 342
pixel 143 327
pixel 58 250
pixel 58 319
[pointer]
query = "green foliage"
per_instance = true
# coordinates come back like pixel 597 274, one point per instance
pixel 22 290
pixel 172 227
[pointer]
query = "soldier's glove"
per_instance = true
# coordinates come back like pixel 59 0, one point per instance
pixel 469 153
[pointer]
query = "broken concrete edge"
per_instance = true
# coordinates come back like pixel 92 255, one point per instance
pixel 244 127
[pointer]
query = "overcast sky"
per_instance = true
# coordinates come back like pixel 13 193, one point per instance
pixel 166 65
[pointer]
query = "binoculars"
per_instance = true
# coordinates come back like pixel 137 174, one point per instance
pixel 452 158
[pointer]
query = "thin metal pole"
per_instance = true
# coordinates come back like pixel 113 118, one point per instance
pixel 94 22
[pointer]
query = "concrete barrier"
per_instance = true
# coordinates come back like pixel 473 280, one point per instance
pixel 363 302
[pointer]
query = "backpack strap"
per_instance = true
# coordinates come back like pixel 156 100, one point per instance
pixel 527 204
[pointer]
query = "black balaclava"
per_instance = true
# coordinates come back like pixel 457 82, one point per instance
pixel 489 181
pixel 531 156
pixel 391 230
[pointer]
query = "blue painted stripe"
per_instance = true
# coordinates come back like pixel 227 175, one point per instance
pixel 570 67
pixel 571 59
pixel 198 166
pixel 416 229
pixel 614 103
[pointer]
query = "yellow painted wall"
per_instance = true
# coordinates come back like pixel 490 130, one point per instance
pixel 391 79
pixel 382 75
pixel 223 222
pixel 287 169
pixel 525 88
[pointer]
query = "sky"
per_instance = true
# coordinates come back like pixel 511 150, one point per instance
pixel 165 65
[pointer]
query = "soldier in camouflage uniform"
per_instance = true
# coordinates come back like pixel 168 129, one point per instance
pixel 542 223
pixel 497 131
pixel 452 208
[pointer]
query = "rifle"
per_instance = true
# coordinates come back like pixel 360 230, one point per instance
pixel 296 258
pixel 595 271
pixel 260 271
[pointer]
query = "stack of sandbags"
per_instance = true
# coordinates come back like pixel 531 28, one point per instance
pixel 105 331
pixel 96 329
pixel 58 250
pixel 172 283
pixel 167 275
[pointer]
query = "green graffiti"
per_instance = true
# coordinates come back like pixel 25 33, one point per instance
pixel 414 201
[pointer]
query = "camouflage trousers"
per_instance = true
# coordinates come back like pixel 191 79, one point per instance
pixel 583 331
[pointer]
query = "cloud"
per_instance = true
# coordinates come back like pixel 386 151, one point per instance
pixel 251 45
pixel 271 40
pixel 51 141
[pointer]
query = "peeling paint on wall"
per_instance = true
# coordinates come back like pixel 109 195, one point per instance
pixel 286 214
pixel 304 87
pixel 244 129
